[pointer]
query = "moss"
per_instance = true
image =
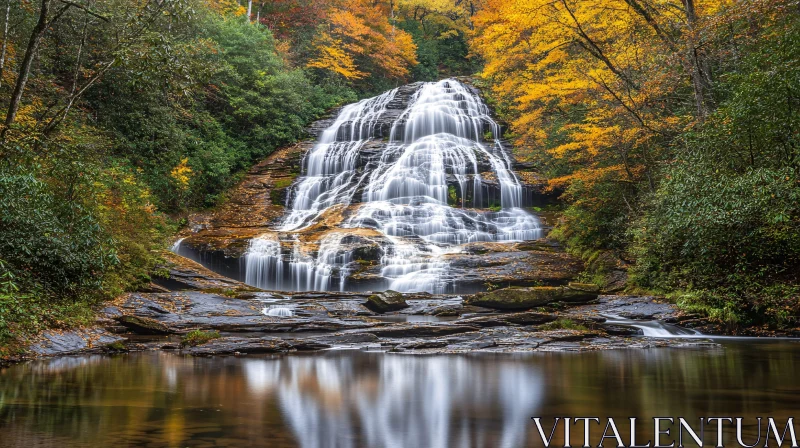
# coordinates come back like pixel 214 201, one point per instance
pixel 526 298
pixel 198 337
pixel 452 195
pixel 283 182
pixel 563 324
pixel 117 346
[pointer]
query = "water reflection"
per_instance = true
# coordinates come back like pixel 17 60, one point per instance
pixel 353 399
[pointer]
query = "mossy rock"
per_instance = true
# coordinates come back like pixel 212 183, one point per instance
pixel 143 325
pixel 585 287
pixel 527 298
pixel 386 301
pixel 368 253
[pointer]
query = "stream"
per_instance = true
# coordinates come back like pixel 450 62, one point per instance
pixel 350 398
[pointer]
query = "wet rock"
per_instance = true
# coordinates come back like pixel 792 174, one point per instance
pixel 530 318
pixel 143 325
pixel 386 301
pixel 499 320
pixel 418 345
pixel 621 330
pixel 420 330
pixel 631 307
pixel 55 342
pixel 347 338
pixel 567 335
pixel 142 313
pixel 308 345
pixel 236 345
pixel 526 298
pixel 585 287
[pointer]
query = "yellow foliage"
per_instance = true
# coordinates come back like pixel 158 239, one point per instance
pixel 182 173
pixel 591 82
pixel 227 7
pixel 331 56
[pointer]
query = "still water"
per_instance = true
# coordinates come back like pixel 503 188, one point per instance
pixel 355 399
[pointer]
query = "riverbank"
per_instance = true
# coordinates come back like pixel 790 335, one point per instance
pixel 246 320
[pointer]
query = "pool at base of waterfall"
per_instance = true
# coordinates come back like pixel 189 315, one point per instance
pixel 346 398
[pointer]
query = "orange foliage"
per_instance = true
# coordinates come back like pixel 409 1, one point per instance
pixel 359 39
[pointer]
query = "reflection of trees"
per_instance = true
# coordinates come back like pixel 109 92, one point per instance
pixel 738 380
pixel 346 399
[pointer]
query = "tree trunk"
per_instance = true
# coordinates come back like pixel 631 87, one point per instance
pixel 25 68
pixel 700 72
pixel 249 9
pixel 5 41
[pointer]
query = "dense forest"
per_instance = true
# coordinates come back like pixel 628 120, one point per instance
pixel 668 127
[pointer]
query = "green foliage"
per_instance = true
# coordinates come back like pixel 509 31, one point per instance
pixel 245 102
pixel 22 313
pixel 724 224
pixel 157 109
pixel 442 51
pixel 598 215
pixel 198 337
pixel 452 195
pixel 59 245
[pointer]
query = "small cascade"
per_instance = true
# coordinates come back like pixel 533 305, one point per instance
pixel 278 311
pixel 266 266
pixel 422 185
pixel 176 246
pixel 653 328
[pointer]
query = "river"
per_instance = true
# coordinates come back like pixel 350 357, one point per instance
pixel 348 398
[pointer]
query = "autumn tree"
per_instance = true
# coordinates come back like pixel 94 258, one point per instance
pixel 358 38
pixel 596 89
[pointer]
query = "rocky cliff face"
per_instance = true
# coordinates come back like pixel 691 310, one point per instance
pixel 257 208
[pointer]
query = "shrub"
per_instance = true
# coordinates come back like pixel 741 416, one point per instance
pixel 198 337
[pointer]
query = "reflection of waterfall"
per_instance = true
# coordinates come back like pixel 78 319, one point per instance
pixel 422 188
pixel 401 401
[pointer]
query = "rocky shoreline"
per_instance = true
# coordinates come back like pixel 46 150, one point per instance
pixel 245 320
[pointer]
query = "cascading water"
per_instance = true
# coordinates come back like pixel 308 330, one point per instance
pixel 421 193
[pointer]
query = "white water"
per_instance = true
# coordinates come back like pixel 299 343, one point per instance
pixel 176 246
pixel 654 328
pixel 422 193
pixel 278 311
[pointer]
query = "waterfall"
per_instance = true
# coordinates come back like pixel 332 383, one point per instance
pixel 422 185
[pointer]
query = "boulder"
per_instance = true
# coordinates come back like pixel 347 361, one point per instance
pixel 585 287
pixel 420 330
pixel 386 301
pixel 143 325
pixel 526 298
pixel 235 345
pixel 621 330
